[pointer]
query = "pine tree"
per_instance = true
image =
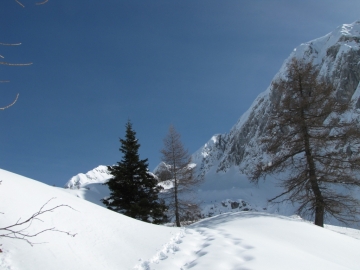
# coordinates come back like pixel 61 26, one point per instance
pixel 133 189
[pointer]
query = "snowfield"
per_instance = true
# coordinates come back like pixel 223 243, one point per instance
pixel 107 240
pixel 104 239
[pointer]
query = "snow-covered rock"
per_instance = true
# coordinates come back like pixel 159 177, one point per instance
pixel 98 175
pixel 90 186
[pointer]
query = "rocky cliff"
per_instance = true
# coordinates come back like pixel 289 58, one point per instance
pixel 336 54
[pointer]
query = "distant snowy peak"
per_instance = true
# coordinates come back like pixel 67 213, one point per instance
pixel 98 175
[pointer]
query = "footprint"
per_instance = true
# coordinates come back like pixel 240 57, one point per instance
pixel 247 258
pixel 247 246
pixel 162 255
pixel 178 241
pixel 201 253
pixel 200 231
pixel 191 264
pixel 205 245
pixel 226 235
pixel 236 242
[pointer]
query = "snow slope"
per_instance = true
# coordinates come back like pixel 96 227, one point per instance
pixel 107 240
pixel 104 239
pixel 251 240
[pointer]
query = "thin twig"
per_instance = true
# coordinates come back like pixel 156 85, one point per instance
pixel 41 3
pixel 17 1
pixel 12 64
pixel 10 44
pixel 14 232
pixel 4 108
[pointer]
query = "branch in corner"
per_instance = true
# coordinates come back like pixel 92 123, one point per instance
pixel 11 104
pixel 18 231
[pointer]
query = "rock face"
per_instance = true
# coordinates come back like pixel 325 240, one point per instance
pixel 336 54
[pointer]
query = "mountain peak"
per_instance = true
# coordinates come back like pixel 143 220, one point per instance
pixel 98 175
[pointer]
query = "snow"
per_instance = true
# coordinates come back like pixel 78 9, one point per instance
pixel 98 175
pixel 107 240
pixel 249 240
pixel 104 239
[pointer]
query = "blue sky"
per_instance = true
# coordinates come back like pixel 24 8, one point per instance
pixel 197 65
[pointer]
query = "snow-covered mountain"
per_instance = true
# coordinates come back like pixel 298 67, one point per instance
pixel 337 54
pixel 225 158
pixel 89 186
pixel 99 175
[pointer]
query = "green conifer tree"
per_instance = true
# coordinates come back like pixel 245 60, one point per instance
pixel 133 189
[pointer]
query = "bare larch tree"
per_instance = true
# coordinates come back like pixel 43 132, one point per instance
pixel 179 170
pixel 313 142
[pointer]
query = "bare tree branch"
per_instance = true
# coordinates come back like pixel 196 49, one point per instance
pixel 10 44
pixel 11 104
pixel 18 231
pixel 38 3
pixel 17 1
pixel 12 64
pixel 41 3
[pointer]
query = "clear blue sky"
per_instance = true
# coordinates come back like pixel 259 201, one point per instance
pixel 195 64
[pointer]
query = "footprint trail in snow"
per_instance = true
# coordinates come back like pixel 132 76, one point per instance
pixel 194 248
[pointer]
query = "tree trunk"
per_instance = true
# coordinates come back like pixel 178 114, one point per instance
pixel 177 216
pixel 319 200
pixel 319 213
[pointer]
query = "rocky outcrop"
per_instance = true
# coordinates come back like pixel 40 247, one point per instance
pixel 337 55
